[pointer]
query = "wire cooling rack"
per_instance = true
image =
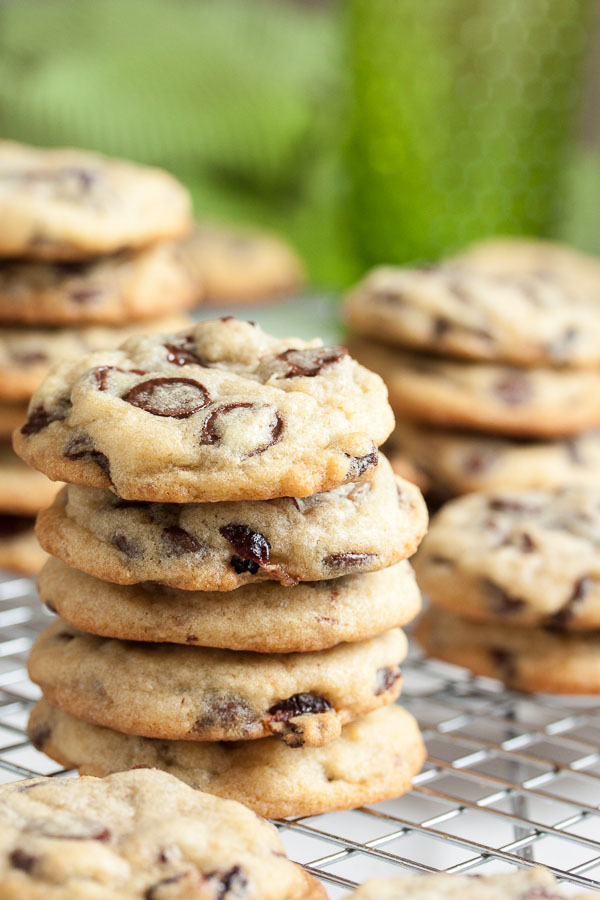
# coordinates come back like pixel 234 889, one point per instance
pixel 510 780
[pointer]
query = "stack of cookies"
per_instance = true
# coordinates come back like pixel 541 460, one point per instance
pixel 87 257
pixel 230 569
pixel 514 579
pixel 492 363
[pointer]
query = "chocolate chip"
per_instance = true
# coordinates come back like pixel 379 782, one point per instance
pixel 347 560
pixel 231 885
pixel 251 546
pixel 439 560
pixel 65 636
pixel 179 541
pixel 504 661
pixel 561 619
pixel 299 705
pixel 101 374
pixel 310 362
pixel 478 460
pixel 525 543
pixel 82 446
pixel 244 565
pixel 86 294
pixel 126 546
pixel 501 504
pixel 385 679
pixel 182 353
pixel 19 859
pixel 39 418
pixel 440 327
pixel 177 398
pixel 513 388
pixel 208 433
pixel 155 892
pixel 500 600
pixel 40 736
pixel 28 359
pixel 360 464
pixel 276 432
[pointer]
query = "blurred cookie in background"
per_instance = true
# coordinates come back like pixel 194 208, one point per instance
pixel 19 548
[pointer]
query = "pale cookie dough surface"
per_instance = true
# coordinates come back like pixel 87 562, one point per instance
pixel 256 617
pixel 375 758
pixel 525 659
pixel 12 415
pixel 140 835
pixel 20 551
pixel 525 884
pixel 517 557
pixel 27 354
pixel 222 412
pixel 539 317
pixel 69 204
pixel 202 694
pixel 230 265
pixel 485 397
pixel 22 490
pixel 355 528
pixel 460 463
pixel 109 290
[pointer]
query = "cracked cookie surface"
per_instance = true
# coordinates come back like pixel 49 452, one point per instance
pixel 221 412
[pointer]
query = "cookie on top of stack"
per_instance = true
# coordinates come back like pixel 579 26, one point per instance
pixel 492 363
pixel 230 569
pixel 87 247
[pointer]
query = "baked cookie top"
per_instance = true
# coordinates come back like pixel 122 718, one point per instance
pixel 203 694
pixel 221 412
pixel 526 557
pixel 108 290
pixel 63 204
pixel 525 884
pixel 529 318
pixel 138 834
pixel 220 546
pixel 255 617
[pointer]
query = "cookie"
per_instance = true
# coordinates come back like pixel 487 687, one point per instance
pixel 525 659
pixel 524 884
pixel 20 551
pixel 256 617
pixel 535 318
pixel 12 415
pixel 22 490
pixel 519 558
pixel 234 266
pixel 201 694
pixel 460 463
pixel 69 204
pixel 218 547
pixel 124 287
pixel 139 834
pixel 27 354
pixel 375 758
pixel 484 397
pixel 224 412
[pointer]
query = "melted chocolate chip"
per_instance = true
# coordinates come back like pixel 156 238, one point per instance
pixel 500 600
pixel 179 541
pixel 126 546
pixel 347 560
pixel 102 372
pixel 251 546
pixel 177 398
pixel 513 388
pixel 276 432
pixel 19 859
pixel 82 446
pixel 208 432
pixel 182 353
pixel 385 679
pixel 310 362
pixel 360 464
pixel 299 705
pixel 39 418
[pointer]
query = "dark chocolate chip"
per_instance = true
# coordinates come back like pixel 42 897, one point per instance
pixel 500 600
pixel 208 432
pixel 177 398
pixel 231 885
pixel 250 545
pixel 39 418
pixel 478 460
pixel 441 326
pixel 179 541
pixel 310 362
pixel 19 859
pixel 276 432
pixel 86 294
pixel 513 388
pixel 560 620
pixel 504 661
pixel 126 546
pixel 299 705
pixel 385 679
pixel 81 446
pixel 155 892
pixel 64 636
pixel 182 353
pixel 347 560
pixel 101 374
pixel 500 504
pixel 525 543
pixel 244 565
pixel 360 464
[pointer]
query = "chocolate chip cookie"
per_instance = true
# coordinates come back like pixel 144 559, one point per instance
pixel 375 758
pixel 223 412
pixel 255 617
pixel 139 834
pixel 124 287
pixel 535 318
pixel 27 354
pixel 525 659
pixel 202 694
pixel 355 528
pixel 461 462
pixel 499 399
pixel 70 204
pixel 517 557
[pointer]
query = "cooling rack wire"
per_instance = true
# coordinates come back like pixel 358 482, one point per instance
pixel 510 780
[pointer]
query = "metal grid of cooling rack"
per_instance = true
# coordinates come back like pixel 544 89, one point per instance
pixel 510 780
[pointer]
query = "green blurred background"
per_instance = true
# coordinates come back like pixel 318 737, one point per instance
pixel 364 130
